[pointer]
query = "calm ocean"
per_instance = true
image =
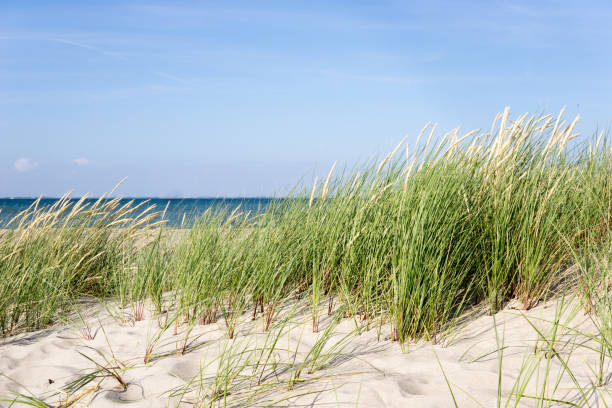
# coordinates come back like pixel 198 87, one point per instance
pixel 191 208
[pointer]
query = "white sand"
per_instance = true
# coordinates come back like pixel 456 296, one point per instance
pixel 366 373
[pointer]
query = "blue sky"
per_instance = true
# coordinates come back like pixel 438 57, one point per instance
pixel 234 98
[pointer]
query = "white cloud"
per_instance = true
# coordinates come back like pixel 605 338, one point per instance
pixel 24 164
pixel 82 161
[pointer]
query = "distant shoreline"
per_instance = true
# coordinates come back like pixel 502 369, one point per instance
pixel 178 211
pixel 143 198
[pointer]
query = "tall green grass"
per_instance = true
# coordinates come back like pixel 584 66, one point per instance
pixel 52 257
pixel 413 240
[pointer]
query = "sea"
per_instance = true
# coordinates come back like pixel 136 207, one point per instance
pixel 180 212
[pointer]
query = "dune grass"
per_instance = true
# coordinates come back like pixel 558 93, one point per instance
pixel 413 240
pixel 52 257
pixel 407 243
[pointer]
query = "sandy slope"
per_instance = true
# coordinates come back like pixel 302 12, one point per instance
pixel 367 372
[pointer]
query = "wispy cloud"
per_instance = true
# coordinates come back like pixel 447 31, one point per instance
pixel 172 77
pixel 52 37
pixel 86 46
pixel 386 78
pixel 284 17
pixel 81 161
pixel 25 164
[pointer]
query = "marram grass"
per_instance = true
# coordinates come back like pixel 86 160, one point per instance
pixel 413 240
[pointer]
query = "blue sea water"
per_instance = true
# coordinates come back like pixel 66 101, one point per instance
pixel 181 212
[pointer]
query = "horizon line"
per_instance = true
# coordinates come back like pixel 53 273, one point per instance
pixel 138 197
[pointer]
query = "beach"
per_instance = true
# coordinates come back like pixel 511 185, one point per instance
pixel 471 273
pixel 315 204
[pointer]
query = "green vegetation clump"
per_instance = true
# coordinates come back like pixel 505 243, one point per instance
pixel 413 240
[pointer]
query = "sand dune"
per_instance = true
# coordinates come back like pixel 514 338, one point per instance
pixel 355 369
